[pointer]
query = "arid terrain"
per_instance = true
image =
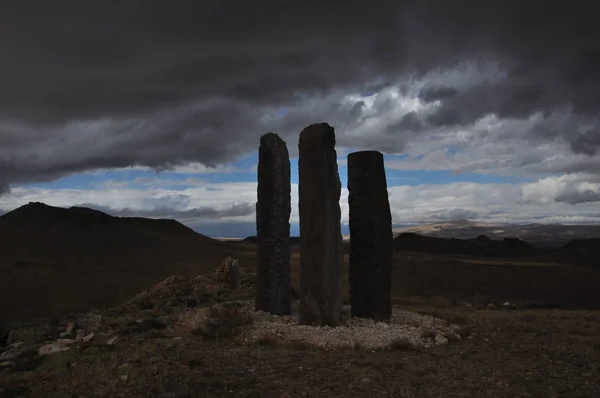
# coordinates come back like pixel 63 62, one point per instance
pixel 526 317
pixel 542 235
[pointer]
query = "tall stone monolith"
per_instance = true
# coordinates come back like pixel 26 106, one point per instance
pixel 320 232
pixel 371 237
pixel 273 288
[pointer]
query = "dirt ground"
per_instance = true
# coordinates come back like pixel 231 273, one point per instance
pixel 529 353
pixel 504 353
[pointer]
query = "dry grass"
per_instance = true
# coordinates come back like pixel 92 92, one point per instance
pixel 222 321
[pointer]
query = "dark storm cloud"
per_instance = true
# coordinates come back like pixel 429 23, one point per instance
pixel 574 198
pixel 111 84
pixel 409 121
pixel 434 92
pixel 357 110
pixel 587 142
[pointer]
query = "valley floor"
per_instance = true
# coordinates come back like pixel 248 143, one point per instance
pixel 529 353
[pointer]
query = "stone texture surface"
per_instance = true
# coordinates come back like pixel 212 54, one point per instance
pixel 273 289
pixel 371 237
pixel 229 272
pixel 320 233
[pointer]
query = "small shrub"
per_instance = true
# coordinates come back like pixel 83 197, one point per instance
pixel 27 361
pixel 464 331
pixel 267 339
pixel 222 321
pixel 428 333
pixel 452 336
pixel 146 304
pixel 457 319
pixel 146 325
pixel 300 345
pixel 400 344
pixel 195 362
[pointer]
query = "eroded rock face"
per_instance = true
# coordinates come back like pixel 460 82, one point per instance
pixel 371 237
pixel 273 289
pixel 320 233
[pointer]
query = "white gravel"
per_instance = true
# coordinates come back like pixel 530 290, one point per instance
pixel 405 327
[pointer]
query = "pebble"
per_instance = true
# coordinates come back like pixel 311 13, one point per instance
pixel 88 337
pixel 113 340
pixel 366 333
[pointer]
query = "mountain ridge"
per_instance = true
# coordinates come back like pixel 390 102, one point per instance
pixel 83 256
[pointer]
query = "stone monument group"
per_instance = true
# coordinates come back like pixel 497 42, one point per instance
pixel 321 253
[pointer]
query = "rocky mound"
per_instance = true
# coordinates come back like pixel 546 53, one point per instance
pixel 209 307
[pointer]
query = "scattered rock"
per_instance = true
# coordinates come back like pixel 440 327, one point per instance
pixel 491 306
pixel 365 380
pixel 509 305
pixel 88 322
pixel 440 340
pixel 65 342
pixel 113 340
pixel 51 348
pixel 124 377
pixel 88 336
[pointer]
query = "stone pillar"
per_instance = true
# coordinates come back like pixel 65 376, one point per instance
pixel 321 254
pixel 273 288
pixel 371 237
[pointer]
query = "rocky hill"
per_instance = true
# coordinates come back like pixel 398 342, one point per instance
pixel 54 257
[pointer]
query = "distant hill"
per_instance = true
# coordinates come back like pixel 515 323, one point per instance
pixel 542 235
pixel 294 240
pixel 481 246
pixel 51 256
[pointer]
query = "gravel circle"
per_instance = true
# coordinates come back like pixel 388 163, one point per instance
pixel 405 329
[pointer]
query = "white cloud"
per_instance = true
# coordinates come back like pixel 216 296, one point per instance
pixel 544 200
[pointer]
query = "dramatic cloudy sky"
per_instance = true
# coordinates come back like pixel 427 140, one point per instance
pixel 485 110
